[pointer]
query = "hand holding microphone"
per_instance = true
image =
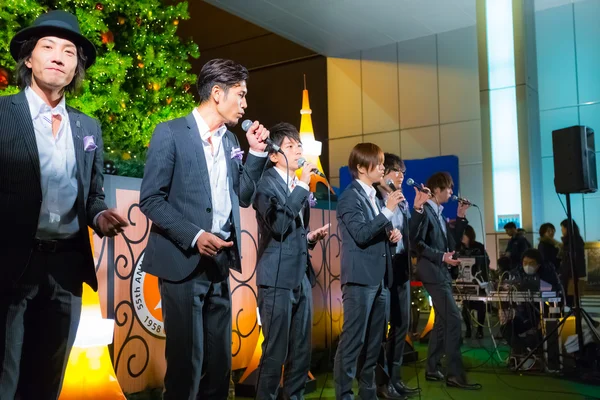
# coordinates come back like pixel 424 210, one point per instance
pixel 308 170
pixel 302 163
pixel 463 205
pixel 258 136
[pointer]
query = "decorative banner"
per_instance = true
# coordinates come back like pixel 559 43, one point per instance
pixel 131 297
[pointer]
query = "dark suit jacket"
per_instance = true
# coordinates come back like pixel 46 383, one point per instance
pixel 430 243
pixel 21 192
pixel 280 228
pixel 176 196
pixel 400 262
pixel 366 250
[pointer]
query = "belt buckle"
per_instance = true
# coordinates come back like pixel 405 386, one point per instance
pixel 49 246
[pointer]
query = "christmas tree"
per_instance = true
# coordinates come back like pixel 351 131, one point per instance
pixel 140 78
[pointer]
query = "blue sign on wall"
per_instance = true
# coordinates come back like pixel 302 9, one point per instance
pixel 505 219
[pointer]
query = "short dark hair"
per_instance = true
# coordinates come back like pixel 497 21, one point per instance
pixel 534 254
pixel 441 180
pixel 470 233
pixel 24 73
pixel 392 161
pixel 280 131
pixel 221 72
pixel 545 227
pixel 510 225
pixel 367 155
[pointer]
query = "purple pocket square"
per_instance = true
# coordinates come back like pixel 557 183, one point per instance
pixel 89 144
pixel 237 153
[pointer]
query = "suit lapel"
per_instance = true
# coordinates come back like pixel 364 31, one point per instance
pixel 77 133
pixel 199 150
pixel 26 130
pixel 365 197
pixel 284 191
pixel 439 223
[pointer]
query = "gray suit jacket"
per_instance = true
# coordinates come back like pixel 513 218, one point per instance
pixel 176 196
pixel 20 187
pixel 430 243
pixel 366 250
pixel 280 228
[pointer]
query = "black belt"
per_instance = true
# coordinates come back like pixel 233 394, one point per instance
pixel 57 245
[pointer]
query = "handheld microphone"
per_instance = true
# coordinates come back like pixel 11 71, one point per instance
pixel 390 183
pixel 411 182
pixel 302 161
pixel 247 124
pixel 461 200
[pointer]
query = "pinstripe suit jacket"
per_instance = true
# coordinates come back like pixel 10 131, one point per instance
pixel 272 218
pixel 20 188
pixel 176 196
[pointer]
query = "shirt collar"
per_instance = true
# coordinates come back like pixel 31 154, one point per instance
pixel 369 190
pixel 438 208
pixel 285 178
pixel 205 132
pixel 38 106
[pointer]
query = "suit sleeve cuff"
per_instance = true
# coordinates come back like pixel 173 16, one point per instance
pixel 95 221
pixel 303 186
pixel 196 237
pixel 261 154
pixel 388 214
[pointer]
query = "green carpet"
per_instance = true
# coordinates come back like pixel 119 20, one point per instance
pixel 497 380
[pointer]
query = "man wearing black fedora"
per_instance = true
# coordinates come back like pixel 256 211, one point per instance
pixel 51 180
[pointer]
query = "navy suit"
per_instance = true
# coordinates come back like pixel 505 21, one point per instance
pixel 392 354
pixel 41 288
pixel 430 242
pixel 196 302
pixel 284 286
pixel 365 276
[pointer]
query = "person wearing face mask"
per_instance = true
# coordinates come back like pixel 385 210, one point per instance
pixel 520 326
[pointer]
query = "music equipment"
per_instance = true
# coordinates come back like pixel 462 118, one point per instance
pixel 574 153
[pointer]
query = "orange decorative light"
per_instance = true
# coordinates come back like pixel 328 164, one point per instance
pixel 90 373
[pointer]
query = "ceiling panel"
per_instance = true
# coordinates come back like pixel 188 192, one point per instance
pixel 333 27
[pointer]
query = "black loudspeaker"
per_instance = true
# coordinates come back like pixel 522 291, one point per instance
pixel 574 160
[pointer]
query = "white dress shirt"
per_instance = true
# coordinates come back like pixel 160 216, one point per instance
pixel 398 221
pixel 291 181
pixel 217 173
pixel 216 162
pixel 371 193
pixel 58 169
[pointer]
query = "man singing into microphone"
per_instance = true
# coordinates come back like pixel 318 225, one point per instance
pixel 284 274
pixel 367 240
pixel 435 241
pixel 194 184
pixel 391 386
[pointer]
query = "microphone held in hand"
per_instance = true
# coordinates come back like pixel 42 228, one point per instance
pixel 461 200
pixel 411 182
pixel 302 161
pixel 390 183
pixel 247 124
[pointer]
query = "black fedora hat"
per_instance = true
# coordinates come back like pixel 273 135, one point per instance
pixel 55 23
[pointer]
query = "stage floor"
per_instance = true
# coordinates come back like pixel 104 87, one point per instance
pixel 498 381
